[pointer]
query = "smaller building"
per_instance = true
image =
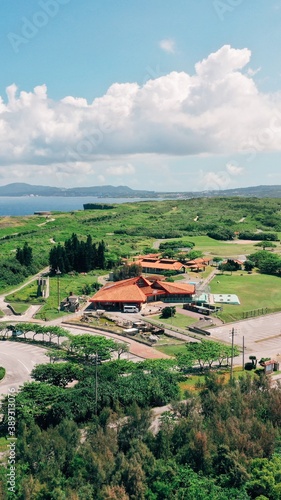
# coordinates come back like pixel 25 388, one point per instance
pixel 70 304
pixel 270 366
pixel 198 264
pixel 226 298
pixel 154 264
pixel 43 288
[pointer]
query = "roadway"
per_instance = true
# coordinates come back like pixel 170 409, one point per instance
pixel 18 359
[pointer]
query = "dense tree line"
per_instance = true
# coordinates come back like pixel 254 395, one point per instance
pixel 14 269
pixel 267 262
pixel 24 255
pixel 221 233
pixel 77 255
pixel 220 444
pixel 248 235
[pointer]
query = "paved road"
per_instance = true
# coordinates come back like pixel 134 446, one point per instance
pixel 18 360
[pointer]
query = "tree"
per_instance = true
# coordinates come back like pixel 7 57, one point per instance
pixel 121 348
pixel 127 271
pixel 265 244
pixel 249 265
pixel 194 254
pixel 168 312
pixel 230 265
pixel 88 346
pixel 76 255
pixel 59 374
pixel 208 352
pixel 221 233
pixel 24 255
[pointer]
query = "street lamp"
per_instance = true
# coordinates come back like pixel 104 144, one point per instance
pixel 58 272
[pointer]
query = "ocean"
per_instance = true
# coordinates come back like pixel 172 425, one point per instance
pixel 27 205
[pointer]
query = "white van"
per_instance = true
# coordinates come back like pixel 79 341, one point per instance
pixel 130 309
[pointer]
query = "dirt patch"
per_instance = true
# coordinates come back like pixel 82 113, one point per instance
pixel 243 242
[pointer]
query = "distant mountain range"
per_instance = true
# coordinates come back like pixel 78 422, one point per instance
pixel 23 189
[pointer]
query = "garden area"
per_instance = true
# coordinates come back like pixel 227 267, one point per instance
pixel 77 284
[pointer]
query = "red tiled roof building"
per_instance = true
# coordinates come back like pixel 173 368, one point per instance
pixel 139 290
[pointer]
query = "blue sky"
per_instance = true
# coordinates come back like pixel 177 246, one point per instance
pixel 154 94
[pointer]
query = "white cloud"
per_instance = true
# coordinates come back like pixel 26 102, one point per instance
pixel 234 169
pixel 217 110
pixel 213 181
pixel 252 72
pixel 168 45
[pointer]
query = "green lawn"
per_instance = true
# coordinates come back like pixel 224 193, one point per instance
pixel 19 307
pixel 255 291
pixel 179 277
pixel 213 247
pixel 172 350
pixel 26 294
pixel 178 321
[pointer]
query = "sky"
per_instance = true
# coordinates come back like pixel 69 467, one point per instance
pixel 162 95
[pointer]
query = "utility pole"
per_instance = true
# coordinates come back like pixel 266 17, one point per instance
pixel 96 360
pixel 243 354
pixel 232 350
pixel 58 272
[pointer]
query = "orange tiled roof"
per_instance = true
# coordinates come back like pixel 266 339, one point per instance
pixel 129 293
pixel 159 264
pixel 199 260
pixel 177 288
pixel 138 289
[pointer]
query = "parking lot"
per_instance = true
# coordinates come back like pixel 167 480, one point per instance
pixel 262 335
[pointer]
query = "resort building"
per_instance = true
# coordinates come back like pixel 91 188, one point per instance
pixel 138 291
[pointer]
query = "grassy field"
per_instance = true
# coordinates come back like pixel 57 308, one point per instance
pixel 26 294
pixel 19 307
pixel 196 382
pixel 179 320
pixel 255 291
pixel 131 228
pixel 172 350
pixel 212 247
